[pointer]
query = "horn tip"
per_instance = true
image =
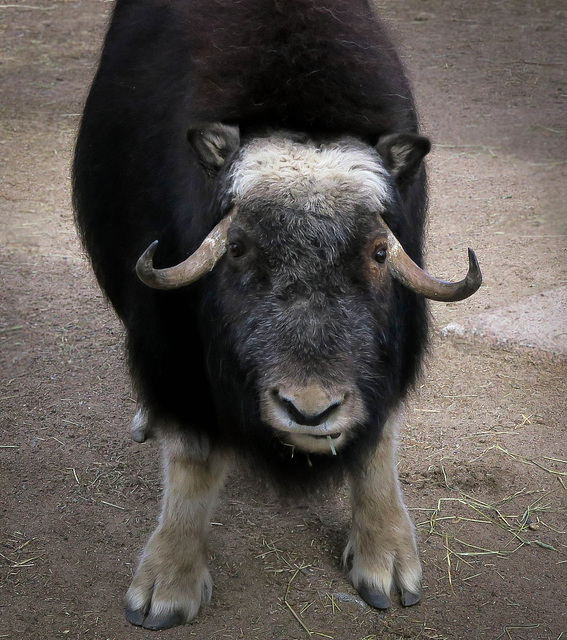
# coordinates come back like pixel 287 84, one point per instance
pixel 474 275
pixel 144 266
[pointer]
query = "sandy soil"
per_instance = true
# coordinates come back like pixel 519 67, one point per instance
pixel 483 454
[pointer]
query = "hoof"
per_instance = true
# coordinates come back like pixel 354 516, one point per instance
pixel 165 621
pixel 135 616
pixel 141 430
pixel 408 599
pixel 138 436
pixel 374 597
pixel 380 600
pixel 154 622
pixel 163 596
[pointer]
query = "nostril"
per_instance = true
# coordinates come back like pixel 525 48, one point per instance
pixel 307 419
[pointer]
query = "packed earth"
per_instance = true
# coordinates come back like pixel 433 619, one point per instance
pixel 483 451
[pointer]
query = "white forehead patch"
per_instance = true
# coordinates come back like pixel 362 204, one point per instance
pixel 310 177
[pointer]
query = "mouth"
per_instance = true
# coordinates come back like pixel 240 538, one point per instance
pixel 333 436
pixel 328 443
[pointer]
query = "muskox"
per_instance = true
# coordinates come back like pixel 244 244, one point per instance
pixel 272 150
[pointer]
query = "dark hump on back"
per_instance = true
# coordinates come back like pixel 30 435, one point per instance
pixel 323 65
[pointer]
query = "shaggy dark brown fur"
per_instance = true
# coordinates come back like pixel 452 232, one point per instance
pixel 318 72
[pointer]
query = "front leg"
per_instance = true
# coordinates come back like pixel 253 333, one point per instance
pixel 172 579
pixel 382 545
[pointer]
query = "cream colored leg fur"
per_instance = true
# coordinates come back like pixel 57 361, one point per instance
pixel 172 578
pixel 382 544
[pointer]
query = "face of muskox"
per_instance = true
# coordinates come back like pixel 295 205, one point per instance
pixel 304 287
pixel 305 325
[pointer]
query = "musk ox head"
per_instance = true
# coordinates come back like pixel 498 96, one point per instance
pixel 307 279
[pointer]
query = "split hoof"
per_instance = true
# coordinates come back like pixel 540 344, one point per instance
pixel 155 622
pixel 380 600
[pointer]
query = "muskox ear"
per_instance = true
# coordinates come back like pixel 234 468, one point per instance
pixel 214 142
pixel 403 153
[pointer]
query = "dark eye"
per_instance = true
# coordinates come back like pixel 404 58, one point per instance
pixel 235 249
pixel 380 254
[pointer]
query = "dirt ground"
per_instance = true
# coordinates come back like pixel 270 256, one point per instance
pixel 484 449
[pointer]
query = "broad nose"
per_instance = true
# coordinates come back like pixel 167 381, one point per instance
pixel 309 406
